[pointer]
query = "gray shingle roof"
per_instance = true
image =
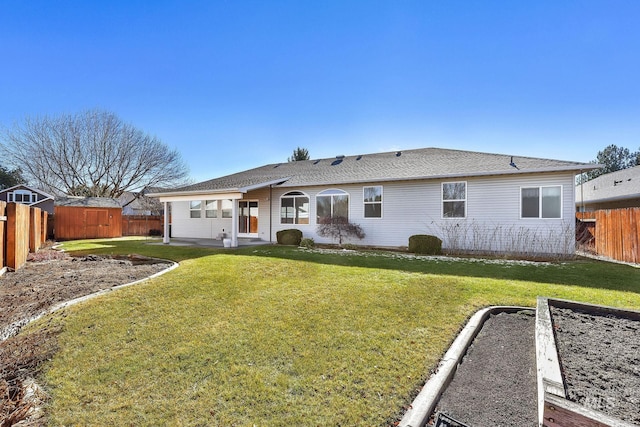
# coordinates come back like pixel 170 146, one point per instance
pixel 425 163
pixel 619 185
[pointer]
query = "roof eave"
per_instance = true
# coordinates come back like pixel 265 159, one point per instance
pixel 244 189
pixel 577 169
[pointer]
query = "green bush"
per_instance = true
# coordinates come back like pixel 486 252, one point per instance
pixel 289 237
pixel 425 244
pixel 307 242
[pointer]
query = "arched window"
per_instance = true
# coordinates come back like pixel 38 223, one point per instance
pixel 294 208
pixel 332 204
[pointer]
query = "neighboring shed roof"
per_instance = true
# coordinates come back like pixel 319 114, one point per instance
pixel 88 202
pixel 620 185
pixel 425 163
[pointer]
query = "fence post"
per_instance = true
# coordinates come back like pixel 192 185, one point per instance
pixel 35 232
pixel 17 234
pixel 3 234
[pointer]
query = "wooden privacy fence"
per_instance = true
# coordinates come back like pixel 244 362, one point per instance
pixel 78 222
pixel 23 229
pixel 617 233
pixel 142 225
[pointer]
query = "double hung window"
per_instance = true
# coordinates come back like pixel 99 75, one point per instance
pixel 195 209
pixel 454 199
pixel 372 201
pixel 211 209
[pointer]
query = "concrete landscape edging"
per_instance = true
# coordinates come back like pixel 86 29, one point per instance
pixel 423 405
pixel 16 326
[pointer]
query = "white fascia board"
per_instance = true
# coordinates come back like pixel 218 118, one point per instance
pixel 198 195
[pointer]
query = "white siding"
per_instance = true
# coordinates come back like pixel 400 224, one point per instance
pixel 493 220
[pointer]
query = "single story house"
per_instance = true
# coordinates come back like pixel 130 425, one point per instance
pixel 620 189
pixel 29 196
pixel 475 202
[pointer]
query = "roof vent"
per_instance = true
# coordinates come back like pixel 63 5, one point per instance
pixel 359 157
pixel 340 157
pixel 337 161
pixel 316 162
pixel 276 165
pixel 398 153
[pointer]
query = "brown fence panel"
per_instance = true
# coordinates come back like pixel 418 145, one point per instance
pixel 618 234
pixel 87 223
pixel 141 225
pixel 35 229
pixel 44 219
pixel 17 234
pixel 3 233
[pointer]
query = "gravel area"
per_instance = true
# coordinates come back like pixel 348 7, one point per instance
pixel 600 361
pixel 495 385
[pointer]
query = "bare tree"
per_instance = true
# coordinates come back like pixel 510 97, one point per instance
pixel 92 153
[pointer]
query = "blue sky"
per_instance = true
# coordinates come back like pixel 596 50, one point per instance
pixel 237 84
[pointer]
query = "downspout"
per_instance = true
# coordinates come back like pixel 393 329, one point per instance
pixel 270 213
pixel 581 191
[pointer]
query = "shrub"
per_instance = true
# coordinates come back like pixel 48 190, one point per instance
pixel 425 244
pixel 307 242
pixel 289 237
pixel 339 227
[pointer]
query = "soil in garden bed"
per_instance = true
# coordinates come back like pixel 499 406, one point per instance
pixel 495 385
pixel 600 361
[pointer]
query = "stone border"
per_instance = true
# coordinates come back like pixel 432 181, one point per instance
pixel 423 405
pixel 15 327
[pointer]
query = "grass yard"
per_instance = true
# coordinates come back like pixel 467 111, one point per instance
pixel 281 336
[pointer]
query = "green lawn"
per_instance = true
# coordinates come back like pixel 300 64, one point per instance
pixel 282 336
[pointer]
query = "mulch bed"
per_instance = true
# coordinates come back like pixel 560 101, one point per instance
pixel 49 278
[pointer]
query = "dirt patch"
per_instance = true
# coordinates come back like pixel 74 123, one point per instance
pixel 49 278
pixel 495 385
pixel 600 361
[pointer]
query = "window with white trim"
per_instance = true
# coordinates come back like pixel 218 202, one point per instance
pixel 372 198
pixel 332 204
pixel 227 208
pixel 211 209
pixel 195 209
pixel 294 208
pixel 22 196
pixel 454 199
pixel 541 202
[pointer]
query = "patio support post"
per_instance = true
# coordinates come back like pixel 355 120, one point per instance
pixel 234 223
pixel 165 238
